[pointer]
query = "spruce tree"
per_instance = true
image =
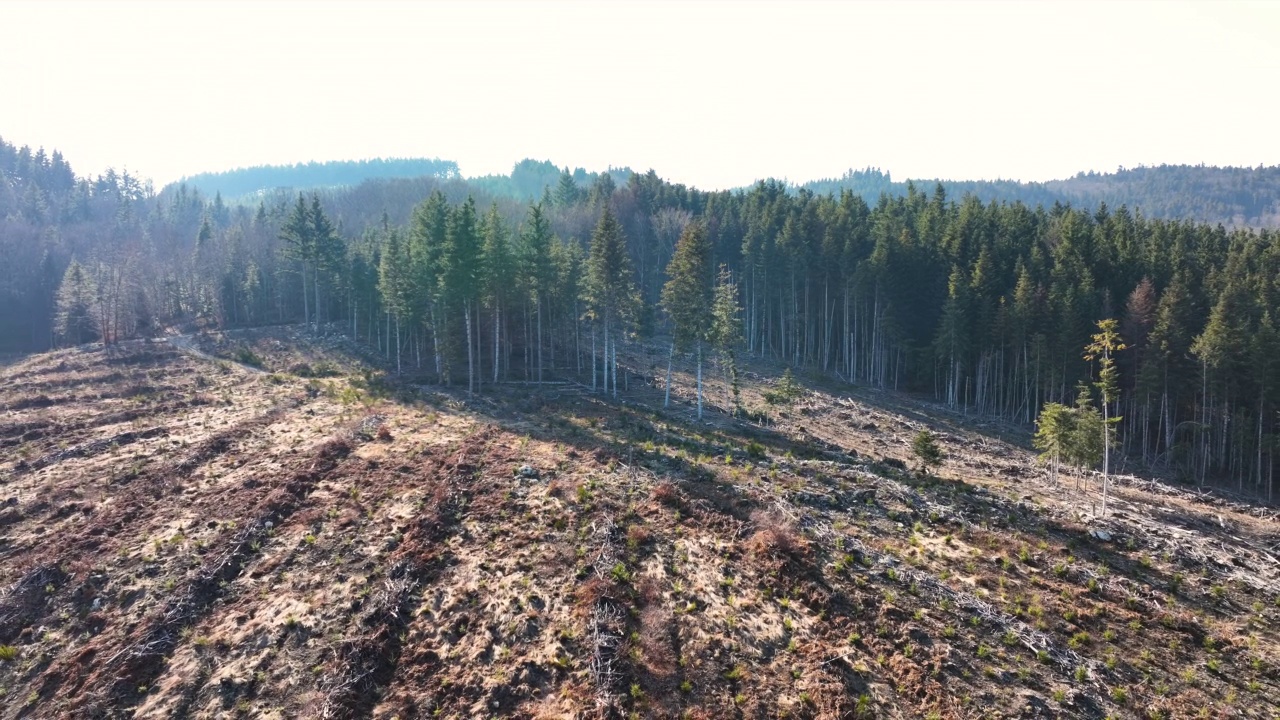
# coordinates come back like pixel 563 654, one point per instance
pixel 925 447
pixel 536 271
pixel 1106 343
pixel 327 250
pixel 395 283
pixel 1054 430
pixel 461 263
pixel 610 288
pixel 74 317
pixel 300 246
pixel 687 297
pixel 726 331
pixel 428 235
pixel 498 266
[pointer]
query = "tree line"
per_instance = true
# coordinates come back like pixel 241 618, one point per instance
pixel 247 181
pixel 1232 196
pixel 984 306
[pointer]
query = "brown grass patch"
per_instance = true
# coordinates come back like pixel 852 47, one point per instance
pixel 667 494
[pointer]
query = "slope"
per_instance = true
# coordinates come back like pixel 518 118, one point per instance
pixel 186 535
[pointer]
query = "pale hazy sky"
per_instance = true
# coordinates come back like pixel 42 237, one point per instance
pixel 713 94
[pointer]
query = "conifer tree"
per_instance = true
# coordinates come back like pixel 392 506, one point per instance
pixel 327 248
pixel 395 283
pixel 1054 430
pixel 498 268
pixel 310 238
pixel 300 246
pixel 1085 444
pixel 428 231
pixel 462 274
pixel 74 318
pixel 1106 343
pixel 925 447
pixel 537 270
pixel 687 297
pixel 567 191
pixel 611 289
pixel 726 331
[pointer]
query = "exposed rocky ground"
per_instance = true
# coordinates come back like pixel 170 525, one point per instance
pixel 268 526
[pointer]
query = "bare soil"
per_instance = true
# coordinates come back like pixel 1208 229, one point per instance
pixel 266 525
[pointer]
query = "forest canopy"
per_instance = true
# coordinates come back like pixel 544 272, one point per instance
pixel 307 176
pixel 985 305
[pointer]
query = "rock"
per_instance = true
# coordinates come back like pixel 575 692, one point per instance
pixel 1102 535
pixel 11 502
pixel 97 604
pixel 528 471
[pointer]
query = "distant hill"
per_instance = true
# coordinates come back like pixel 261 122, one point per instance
pixel 1232 196
pixel 530 179
pixel 338 173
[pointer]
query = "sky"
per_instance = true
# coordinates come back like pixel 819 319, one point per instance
pixel 711 94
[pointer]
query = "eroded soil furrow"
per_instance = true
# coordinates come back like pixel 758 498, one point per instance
pixel 76 380
pixel 95 447
pixel 370 660
pixel 138 504
pixel 64 431
pixel 139 655
pixel 137 501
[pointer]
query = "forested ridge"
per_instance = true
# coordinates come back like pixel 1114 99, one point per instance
pixel 986 306
pixel 248 181
pixel 1232 196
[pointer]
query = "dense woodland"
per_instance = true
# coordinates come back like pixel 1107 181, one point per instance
pixel 1234 197
pixel 248 181
pixel 987 306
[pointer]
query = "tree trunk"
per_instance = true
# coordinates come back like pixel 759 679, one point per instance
pixel 666 402
pixel 1106 454
pixel 699 380
pixel 435 347
pixel 471 368
pixel 306 307
pixel 315 285
pixel 497 322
